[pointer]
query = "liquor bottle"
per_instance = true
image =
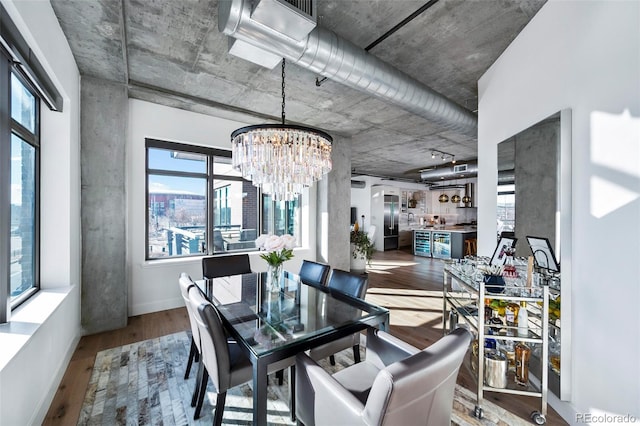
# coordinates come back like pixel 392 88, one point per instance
pixel 523 353
pixel 511 314
pixel 488 311
pixel 523 320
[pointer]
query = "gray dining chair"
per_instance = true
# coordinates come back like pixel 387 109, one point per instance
pixel 185 283
pixel 222 266
pixel 397 384
pixel 354 285
pixel 221 358
pixel 313 273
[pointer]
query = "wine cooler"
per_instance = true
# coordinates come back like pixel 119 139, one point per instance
pixel 441 245
pixel 422 243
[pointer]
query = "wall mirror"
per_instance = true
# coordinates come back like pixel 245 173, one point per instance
pixel 534 198
pixel 528 170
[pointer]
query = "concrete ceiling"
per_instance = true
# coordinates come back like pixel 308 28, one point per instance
pixel 170 52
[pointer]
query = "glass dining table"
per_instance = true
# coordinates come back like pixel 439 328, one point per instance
pixel 275 322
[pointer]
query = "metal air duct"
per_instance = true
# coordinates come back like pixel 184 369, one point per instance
pixel 468 169
pixel 506 177
pixel 324 52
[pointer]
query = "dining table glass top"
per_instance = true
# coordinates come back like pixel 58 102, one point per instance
pixel 270 319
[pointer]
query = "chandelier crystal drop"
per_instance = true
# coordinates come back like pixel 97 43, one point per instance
pixel 281 159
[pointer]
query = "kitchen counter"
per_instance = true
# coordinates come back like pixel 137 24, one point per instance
pixel 450 228
pixel 444 242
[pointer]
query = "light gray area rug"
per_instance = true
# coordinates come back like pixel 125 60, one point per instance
pixel 143 384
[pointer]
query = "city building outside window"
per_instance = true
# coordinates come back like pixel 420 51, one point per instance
pixel 506 208
pixel 197 204
pixel 21 130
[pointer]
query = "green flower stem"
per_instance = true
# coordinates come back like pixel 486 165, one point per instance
pixel 275 258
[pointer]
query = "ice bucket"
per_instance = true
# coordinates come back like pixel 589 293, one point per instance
pixel 495 370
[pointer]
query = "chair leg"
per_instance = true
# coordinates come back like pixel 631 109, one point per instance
pixel 280 377
pixel 192 355
pixel 202 391
pixel 292 392
pixel 194 396
pixel 356 353
pixel 332 360
pixel 217 419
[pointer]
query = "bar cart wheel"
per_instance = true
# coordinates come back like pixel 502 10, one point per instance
pixel 538 418
pixel 478 413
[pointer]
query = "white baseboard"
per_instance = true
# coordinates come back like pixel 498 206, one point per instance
pixel 47 399
pixel 161 305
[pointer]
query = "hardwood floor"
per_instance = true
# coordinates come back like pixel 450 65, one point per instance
pixel 66 404
pixel 410 287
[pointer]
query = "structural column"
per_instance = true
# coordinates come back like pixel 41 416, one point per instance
pixel 103 119
pixel 333 211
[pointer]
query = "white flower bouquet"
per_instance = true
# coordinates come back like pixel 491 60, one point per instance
pixel 279 248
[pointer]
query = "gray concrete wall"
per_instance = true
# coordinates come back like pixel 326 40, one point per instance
pixel 333 212
pixel 536 165
pixel 103 207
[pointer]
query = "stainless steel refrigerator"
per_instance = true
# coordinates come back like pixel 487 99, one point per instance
pixel 391 218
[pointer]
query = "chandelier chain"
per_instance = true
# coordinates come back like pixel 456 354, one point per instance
pixel 281 159
pixel 283 90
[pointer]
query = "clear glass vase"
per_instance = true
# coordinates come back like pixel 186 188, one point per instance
pixel 274 276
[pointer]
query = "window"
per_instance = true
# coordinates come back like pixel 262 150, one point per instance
pixel 506 208
pixel 24 87
pixel 280 217
pixel 198 204
pixel 21 147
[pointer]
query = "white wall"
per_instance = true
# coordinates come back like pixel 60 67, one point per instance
pixel 582 55
pixel 28 381
pixel 153 285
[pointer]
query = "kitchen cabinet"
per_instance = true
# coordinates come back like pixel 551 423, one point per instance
pixel 404 201
pixel 458 240
pixel 405 238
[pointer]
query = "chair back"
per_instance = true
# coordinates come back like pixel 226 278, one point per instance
pixel 213 340
pixel 313 273
pixel 248 234
pixel 419 390
pixel 222 266
pixel 185 282
pixel 354 285
pixel 218 240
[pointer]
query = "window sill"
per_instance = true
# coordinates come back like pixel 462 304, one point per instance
pixel 164 261
pixel 26 320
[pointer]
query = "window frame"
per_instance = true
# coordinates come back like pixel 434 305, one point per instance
pixel 8 128
pixel 502 191
pixel 211 177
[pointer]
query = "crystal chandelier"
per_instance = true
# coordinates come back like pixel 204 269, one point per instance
pixel 281 159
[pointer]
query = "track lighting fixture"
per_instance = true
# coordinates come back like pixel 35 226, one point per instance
pixel 443 155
